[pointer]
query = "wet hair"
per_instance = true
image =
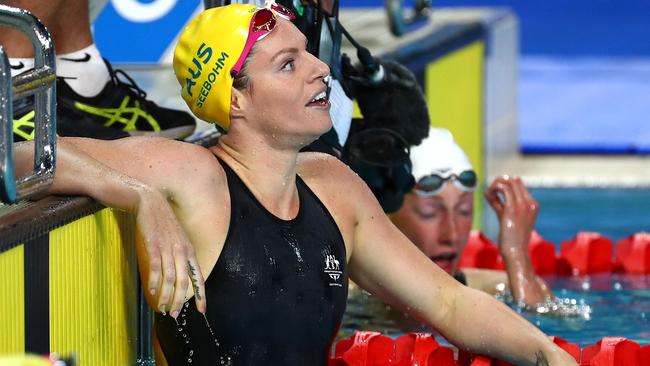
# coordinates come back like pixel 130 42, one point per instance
pixel 243 81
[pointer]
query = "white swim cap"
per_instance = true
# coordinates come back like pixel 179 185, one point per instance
pixel 438 154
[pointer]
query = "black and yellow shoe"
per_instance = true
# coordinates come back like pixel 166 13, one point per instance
pixel 23 126
pixel 123 106
pixel 24 118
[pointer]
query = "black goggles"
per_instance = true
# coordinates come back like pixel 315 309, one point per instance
pixel 433 183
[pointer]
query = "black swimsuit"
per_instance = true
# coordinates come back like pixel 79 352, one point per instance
pixel 276 295
pixel 460 277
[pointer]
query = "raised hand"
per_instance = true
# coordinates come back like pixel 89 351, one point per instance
pixel 517 211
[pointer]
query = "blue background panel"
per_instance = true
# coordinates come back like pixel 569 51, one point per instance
pixel 584 106
pixel 122 40
pixel 553 27
pixel 570 28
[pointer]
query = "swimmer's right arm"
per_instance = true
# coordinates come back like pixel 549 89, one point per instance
pixel 517 211
pixel 169 252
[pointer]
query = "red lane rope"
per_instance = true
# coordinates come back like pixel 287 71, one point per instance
pixel 586 253
pixel 421 349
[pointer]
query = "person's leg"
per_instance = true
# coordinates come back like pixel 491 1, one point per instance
pixel 78 60
pixel 71 27
pixel 86 89
pixel 66 20
pixel 68 24
pixel 16 44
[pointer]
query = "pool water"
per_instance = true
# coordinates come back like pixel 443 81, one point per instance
pixel 613 212
pixel 620 304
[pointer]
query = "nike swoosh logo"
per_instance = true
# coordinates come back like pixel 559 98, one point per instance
pixel 17 67
pixel 86 58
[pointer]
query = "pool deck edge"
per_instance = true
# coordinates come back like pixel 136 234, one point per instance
pixel 576 171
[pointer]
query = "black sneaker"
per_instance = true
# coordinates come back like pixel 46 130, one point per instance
pixel 23 126
pixel 123 106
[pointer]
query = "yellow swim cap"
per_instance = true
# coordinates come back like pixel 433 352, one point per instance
pixel 206 52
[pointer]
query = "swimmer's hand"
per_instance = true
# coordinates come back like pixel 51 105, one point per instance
pixel 172 263
pixel 517 210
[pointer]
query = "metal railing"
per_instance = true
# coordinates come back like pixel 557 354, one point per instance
pixel 401 20
pixel 39 83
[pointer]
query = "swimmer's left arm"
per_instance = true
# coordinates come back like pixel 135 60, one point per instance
pixel 386 263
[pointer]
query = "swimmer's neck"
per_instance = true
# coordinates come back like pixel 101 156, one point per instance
pixel 269 173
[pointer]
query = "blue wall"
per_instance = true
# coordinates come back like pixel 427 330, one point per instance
pixel 123 40
pixel 571 27
pixel 548 27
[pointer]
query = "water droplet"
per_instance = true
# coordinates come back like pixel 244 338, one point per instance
pixel 210 329
pixel 189 360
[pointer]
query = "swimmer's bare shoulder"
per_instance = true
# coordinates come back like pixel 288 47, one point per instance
pixel 189 175
pixel 340 189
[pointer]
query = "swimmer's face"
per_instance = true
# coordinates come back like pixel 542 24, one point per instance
pixel 439 225
pixel 284 80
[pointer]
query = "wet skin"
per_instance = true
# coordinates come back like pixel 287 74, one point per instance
pixel 439 225
pixel 152 178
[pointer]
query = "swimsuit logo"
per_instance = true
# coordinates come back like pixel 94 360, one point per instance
pixel 332 268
